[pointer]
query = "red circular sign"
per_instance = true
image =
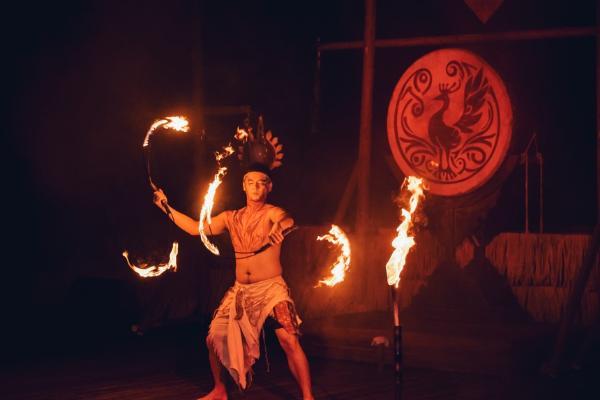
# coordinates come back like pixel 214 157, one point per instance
pixel 450 121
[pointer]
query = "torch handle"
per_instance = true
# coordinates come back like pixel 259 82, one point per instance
pixel 398 362
pixel 166 207
pixel 163 202
pixel 397 344
pixel 285 232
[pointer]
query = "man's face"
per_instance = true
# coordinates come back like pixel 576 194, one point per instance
pixel 256 185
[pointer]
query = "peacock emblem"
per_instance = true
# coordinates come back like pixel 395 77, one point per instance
pixel 447 138
pixel 446 122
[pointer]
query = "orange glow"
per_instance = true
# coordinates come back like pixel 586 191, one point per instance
pixel 155 270
pixel 209 197
pixel 241 134
pixel 207 206
pixel 402 243
pixel 176 123
pixel 221 155
pixel 337 237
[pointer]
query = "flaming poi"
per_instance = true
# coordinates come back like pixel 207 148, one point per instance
pixel 402 243
pixel 209 198
pixel 172 124
pixel 155 270
pixel 337 237
pixel 177 124
pixel 241 135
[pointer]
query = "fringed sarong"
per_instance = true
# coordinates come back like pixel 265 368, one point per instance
pixel 235 329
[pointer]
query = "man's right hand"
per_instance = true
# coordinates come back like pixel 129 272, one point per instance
pixel 160 199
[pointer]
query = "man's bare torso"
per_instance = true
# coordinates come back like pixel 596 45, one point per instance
pixel 249 229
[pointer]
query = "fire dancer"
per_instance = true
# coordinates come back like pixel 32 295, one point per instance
pixel 259 296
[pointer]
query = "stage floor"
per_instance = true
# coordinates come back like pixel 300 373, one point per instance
pixel 172 365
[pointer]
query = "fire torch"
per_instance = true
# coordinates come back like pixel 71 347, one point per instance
pixel 402 244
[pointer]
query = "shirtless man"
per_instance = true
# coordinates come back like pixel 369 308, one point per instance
pixel 259 295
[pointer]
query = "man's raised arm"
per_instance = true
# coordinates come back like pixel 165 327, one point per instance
pixel 186 223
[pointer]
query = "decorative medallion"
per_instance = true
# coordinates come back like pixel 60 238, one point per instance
pixel 450 121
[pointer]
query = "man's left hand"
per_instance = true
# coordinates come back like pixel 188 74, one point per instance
pixel 276 234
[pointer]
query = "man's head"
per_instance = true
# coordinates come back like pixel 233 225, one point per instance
pixel 257 183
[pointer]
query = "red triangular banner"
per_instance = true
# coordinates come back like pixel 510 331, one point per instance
pixel 484 9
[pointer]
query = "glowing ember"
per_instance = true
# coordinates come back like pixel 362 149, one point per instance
pixel 221 155
pixel 155 270
pixel 403 242
pixel 337 237
pixel 176 123
pixel 241 134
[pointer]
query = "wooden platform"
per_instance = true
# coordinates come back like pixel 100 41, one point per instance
pixel 172 364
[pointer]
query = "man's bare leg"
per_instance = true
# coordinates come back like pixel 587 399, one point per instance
pixel 296 361
pixel 219 392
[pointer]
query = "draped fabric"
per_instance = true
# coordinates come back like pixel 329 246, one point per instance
pixel 235 328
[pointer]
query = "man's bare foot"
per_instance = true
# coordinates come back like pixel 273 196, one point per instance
pixel 215 394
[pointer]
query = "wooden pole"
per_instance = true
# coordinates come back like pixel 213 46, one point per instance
pixel 525 160
pixel 540 159
pixel 527 190
pixel 197 67
pixel 364 144
pixel 468 38
pixel 345 199
pixel 597 110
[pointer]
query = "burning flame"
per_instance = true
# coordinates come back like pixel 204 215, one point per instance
pixel 206 211
pixel 209 197
pixel 177 123
pixel 337 237
pixel 241 134
pixel 403 243
pixel 155 270
pixel 221 155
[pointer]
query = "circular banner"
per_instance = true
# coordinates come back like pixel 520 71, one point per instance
pixel 450 121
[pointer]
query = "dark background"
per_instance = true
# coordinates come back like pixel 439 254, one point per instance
pixel 84 80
